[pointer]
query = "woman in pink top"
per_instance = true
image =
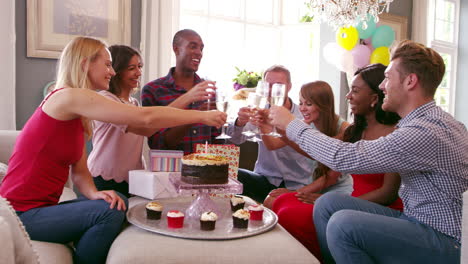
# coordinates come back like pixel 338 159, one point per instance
pixel 117 149
pixel 52 143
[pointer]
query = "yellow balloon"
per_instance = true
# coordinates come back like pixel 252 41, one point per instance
pixel 380 55
pixel 347 37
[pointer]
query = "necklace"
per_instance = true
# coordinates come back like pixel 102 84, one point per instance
pixel 123 100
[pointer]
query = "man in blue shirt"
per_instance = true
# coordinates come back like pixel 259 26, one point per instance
pixel 277 168
pixel 429 149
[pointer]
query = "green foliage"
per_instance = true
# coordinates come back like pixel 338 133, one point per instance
pixel 247 79
pixel 307 17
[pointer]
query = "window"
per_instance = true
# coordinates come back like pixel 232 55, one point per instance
pixel 443 37
pixel 253 35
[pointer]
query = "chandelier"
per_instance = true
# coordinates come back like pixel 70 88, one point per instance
pixel 344 13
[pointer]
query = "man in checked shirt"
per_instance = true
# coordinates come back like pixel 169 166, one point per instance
pixel 182 88
pixel 429 149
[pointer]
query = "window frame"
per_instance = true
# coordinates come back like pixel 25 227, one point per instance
pixel 159 22
pixel 450 48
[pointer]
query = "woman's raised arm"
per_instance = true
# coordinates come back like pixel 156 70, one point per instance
pixel 72 103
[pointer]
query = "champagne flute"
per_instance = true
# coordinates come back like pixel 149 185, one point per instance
pixel 253 100
pixel 222 105
pixel 210 90
pixel 278 92
pixel 252 103
pixel 262 91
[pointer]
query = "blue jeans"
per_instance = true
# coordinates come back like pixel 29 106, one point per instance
pixel 352 230
pixel 256 186
pixel 90 224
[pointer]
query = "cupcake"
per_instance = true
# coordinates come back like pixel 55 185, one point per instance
pixel 237 203
pixel 154 210
pixel 256 212
pixel 208 221
pixel 241 218
pixel 175 219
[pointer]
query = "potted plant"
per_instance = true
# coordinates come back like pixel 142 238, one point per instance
pixel 246 79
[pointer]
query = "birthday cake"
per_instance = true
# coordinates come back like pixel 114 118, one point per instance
pixel 202 168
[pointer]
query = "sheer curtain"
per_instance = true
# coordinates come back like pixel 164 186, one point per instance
pixel 7 67
pixel 420 21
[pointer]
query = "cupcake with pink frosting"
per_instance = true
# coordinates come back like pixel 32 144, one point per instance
pixel 175 219
pixel 256 212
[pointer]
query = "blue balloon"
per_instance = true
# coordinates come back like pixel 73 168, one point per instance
pixel 383 37
pixel 366 27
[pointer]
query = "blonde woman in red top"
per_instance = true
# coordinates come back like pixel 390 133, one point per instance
pixel 52 143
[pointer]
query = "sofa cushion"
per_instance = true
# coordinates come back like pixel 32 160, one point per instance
pixel 3 171
pixel 7 252
pixel 67 194
pixel 23 250
pixel 464 240
pixel 7 143
pixel 53 253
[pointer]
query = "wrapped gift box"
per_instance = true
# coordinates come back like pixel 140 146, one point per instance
pixel 152 185
pixel 165 160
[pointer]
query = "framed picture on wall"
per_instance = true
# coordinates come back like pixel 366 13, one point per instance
pixel 51 24
pixel 398 23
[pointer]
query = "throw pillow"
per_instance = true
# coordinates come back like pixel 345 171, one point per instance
pixel 3 171
pixel 7 252
pixel 23 251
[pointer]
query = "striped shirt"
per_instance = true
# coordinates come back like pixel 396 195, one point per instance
pixel 429 150
pixel 162 92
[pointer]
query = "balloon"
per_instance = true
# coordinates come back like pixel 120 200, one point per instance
pixel 333 53
pixel 347 37
pixel 383 36
pixel 367 42
pixel 380 55
pixel 361 55
pixel 346 62
pixel 366 27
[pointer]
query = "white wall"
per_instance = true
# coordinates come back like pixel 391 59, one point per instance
pixel 461 97
pixel 8 65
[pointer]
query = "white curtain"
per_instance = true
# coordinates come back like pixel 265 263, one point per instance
pixel 159 22
pixel 420 21
pixel 8 65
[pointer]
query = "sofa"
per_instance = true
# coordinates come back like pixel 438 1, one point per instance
pixel 25 250
pixel 139 246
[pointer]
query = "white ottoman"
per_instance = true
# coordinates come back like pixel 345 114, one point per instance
pixel 135 245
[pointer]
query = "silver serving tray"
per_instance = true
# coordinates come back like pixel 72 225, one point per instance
pixel 191 229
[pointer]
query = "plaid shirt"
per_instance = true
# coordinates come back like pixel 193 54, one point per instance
pixel 429 150
pixel 162 92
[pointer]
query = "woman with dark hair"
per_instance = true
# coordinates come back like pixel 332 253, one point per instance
pixel 370 122
pixel 317 106
pixel 117 149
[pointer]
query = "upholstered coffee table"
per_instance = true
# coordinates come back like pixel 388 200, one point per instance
pixel 135 245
